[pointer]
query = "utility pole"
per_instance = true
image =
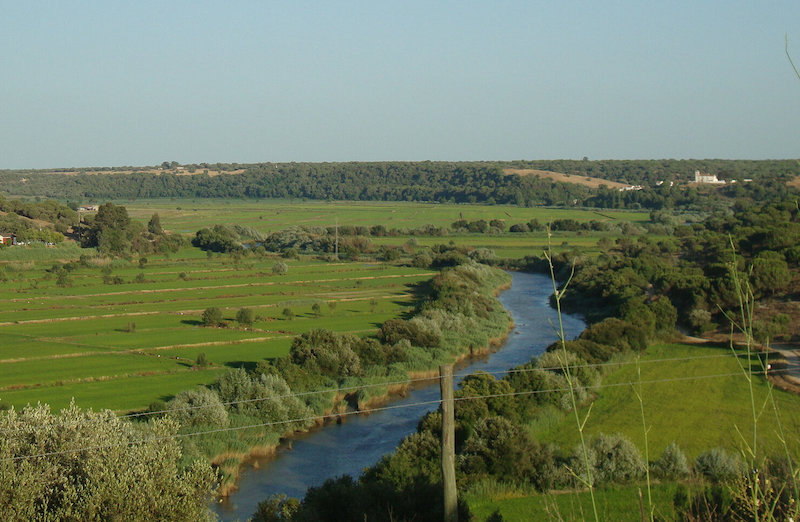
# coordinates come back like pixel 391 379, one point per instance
pixel 448 444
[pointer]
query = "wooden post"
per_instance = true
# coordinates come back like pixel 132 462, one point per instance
pixel 448 444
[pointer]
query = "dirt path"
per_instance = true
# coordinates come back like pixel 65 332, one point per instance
pixel 790 370
pixel 784 361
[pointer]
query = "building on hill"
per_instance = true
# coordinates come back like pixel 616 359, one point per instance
pixel 8 240
pixel 699 177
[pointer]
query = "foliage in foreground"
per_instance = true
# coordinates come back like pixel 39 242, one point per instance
pixel 85 465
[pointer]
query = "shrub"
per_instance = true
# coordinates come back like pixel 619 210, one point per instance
pixel 394 330
pixel 618 333
pixel 212 317
pixel 326 352
pixel 275 509
pixel 501 449
pixel 613 458
pixel 245 316
pixel 672 464
pixel 421 260
pixel 200 406
pixel 717 465
pixel 280 268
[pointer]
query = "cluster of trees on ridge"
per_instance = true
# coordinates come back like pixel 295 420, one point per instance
pixel 45 221
pixel 113 232
pixel 451 182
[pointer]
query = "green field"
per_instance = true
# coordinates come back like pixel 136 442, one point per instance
pixel 617 504
pixel 124 345
pixel 121 346
pixel 188 215
pixel 700 401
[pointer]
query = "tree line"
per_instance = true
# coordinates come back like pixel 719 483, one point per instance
pixel 445 182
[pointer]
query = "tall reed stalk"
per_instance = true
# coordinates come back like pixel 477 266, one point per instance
pixel 588 481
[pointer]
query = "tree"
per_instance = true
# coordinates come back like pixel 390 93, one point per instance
pixel 288 314
pixel 62 279
pixel 212 317
pixel 197 407
pixel 770 273
pixel 245 316
pixel 124 471
pixel 154 225
pixel 280 268
pixel 316 309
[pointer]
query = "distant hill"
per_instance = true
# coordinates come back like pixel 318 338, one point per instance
pixel 586 181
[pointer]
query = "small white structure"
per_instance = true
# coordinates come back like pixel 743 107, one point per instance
pixel 707 178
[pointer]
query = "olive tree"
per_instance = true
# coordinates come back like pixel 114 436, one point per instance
pixel 85 465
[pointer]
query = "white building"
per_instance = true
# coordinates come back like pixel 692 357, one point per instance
pixel 707 178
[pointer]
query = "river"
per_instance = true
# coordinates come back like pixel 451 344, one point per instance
pixel 349 447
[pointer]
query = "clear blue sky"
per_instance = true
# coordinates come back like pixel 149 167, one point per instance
pixel 119 82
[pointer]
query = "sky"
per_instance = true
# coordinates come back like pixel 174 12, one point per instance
pixel 115 82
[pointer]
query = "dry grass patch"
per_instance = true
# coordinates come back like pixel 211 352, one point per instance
pixel 566 178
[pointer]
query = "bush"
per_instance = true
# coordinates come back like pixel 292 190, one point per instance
pixel 500 449
pixel 394 330
pixel 613 458
pixel 212 317
pixel 245 316
pixel 421 260
pixel 280 268
pixel 127 471
pixel 198 407
pixel 672 464
pixel 326 352
pixel 617 333
pixel 717 465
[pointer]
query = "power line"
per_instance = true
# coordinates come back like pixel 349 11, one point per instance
pixel 411 381
pixel 369 410
pixel 429 379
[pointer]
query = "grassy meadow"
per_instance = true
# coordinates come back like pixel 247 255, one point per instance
pixel 121 346
pixel 694 395
pixel 188 215
pixel 617 503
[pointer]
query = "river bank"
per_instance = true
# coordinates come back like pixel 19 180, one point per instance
pixel 348 447
pixel 475 331
pixel 257 455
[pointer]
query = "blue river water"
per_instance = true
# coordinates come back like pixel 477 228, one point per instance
pixel 347 448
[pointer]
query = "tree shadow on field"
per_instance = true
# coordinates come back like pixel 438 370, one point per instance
pixel 192 322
